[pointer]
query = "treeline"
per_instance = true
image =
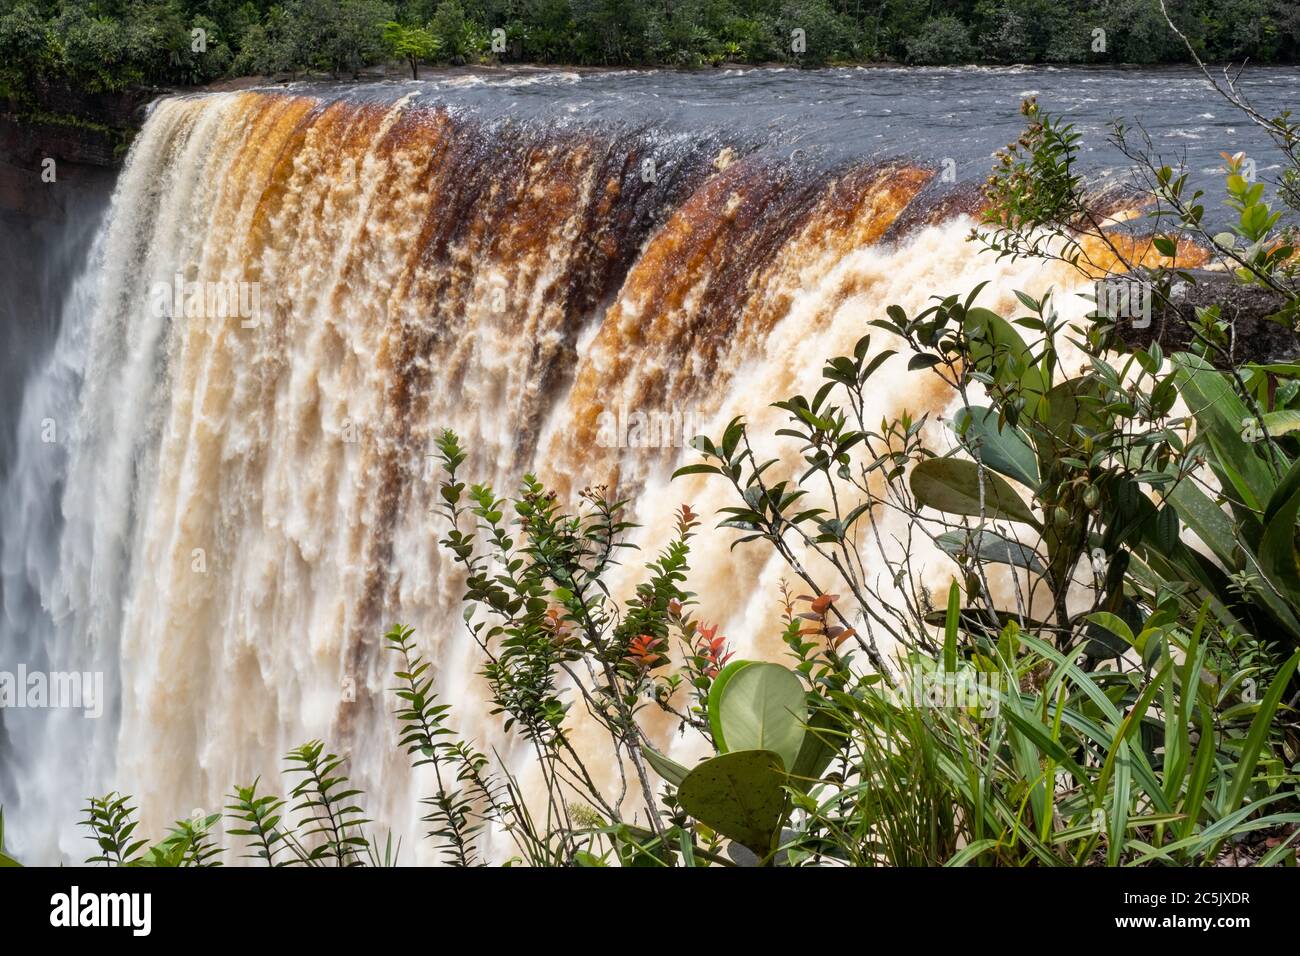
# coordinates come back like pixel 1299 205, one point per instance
pixel 98 45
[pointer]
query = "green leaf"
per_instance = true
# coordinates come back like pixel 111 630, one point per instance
pixel 1164 530
pixel 1277 552
pixel 1115 624
pixel 1282 422
pixel 1219 414
pixel 715 698
pixel 763 708
pixel 820 743
pixel 740 795
pixel 1028 301
pixel 1206 519
pixel 971 851
pixel 635 850
pixel 696 470
pixel 1199 780
pixel 988 545
pixel 951 620
pixel 952 485
pixel 1001 447
pixel 1067 405
pixel 998 348
pixel 1258 734
pixel 666 767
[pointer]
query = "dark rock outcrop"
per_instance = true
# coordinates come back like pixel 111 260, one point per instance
pixel 1253 337
pixel 85 134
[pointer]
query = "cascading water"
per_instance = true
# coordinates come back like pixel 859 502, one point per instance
pixel 229 498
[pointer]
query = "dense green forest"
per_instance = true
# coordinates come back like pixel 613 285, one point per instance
pixel 98 45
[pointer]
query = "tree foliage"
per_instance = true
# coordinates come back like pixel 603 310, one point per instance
pixel 106 45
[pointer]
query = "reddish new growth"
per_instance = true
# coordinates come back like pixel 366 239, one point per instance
pixel 644 650
pixel 820 608
pixel 712 650
pixel 561 629
pixel 686 520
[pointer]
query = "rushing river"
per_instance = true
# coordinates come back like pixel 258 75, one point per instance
pixel 215 488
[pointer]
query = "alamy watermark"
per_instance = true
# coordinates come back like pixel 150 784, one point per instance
pixel 1125 298
pixel 133 911
pixel 621 428
pixel 224 299
pixel 72 690
pixel 962 689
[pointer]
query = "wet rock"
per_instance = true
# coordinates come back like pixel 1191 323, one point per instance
pixel 1254 337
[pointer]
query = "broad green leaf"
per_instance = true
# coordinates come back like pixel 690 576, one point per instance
pixel 1207 520
pixel 997 347
pixel 1282 422
pixel 763 708
pixel 952 485
pixel 821 740
pixel 988 545
pixel 1068 404
pixel 1277 552
pixel 715 697
pixel 1115 624
pixel 1219 415
pixel 666 767
pixel 741 795
pixel 1001 447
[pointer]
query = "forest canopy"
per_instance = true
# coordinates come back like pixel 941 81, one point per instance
pixel 107 45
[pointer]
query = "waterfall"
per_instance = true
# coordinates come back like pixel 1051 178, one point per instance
pixel 223 489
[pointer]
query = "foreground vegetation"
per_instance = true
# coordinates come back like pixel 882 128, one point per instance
pixel 1111 677
pixel 101 45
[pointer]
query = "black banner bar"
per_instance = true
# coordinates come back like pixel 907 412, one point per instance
pixel 232 905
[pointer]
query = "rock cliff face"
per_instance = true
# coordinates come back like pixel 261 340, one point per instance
pixel 84 134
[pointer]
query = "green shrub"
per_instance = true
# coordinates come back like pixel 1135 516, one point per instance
pixel 941 40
